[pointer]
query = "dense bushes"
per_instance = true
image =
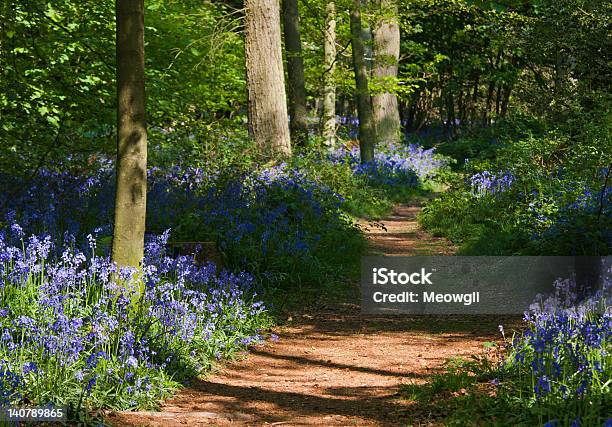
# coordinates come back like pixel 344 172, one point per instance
pixel 531 195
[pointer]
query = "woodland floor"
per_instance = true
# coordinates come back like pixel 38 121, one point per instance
pixel 333 366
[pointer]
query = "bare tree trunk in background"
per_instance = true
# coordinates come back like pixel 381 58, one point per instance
pixel 560 72
pixel 329 92
pixel 474 102
pixel 498 99
pixel 486 119
pixel 131 192
pixel 461 107
pixel 295 74
pixel 268 121
pixel 450 115
pixel 506 100
pixel 364 107
pixel 386 57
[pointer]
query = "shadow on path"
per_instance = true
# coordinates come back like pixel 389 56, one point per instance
pixel 333 366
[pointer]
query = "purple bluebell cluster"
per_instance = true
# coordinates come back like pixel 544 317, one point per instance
pixel 394 164
pixel 72 202
pixel 272 219
pixel 75 328
pixel 566 351
pixel 488 183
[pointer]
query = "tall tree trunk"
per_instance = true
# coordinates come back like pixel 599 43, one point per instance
pixel 474 102
pixel 486 119
pixel 498 99
pixel 364 106
pixel 267 108
pixel 131 192
pixel 450 115
pixel 560 72
pixel 386 57
pixel 461 107
pixel 329 93
pixel 506 100
pixel 295 74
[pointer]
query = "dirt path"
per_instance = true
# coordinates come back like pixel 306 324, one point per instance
pixel 332 367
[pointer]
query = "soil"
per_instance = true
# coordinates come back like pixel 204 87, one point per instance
pixel 333 366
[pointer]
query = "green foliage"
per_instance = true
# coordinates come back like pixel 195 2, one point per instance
pixel 558 201
pixel 57 97
pixel 56 92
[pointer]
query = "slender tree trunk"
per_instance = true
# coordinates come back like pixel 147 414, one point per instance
pixel 498 99
pixel 450 114
pixel 131 192
pixel 560 71
pixel 267 108
pixel 295 74
pixel 461 108
pixel 329 94
pixel 364 106
pixel 506 100
pixel 486 119
pixel 386 57
pixel 492 84
pixel 474 102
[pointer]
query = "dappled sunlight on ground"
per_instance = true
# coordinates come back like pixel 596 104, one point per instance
pixel 332 366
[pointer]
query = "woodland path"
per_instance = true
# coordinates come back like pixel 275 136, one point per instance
pixel 332 366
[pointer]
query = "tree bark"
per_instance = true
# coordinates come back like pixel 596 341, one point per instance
pixel 364 106
pixel 450 115
pixel 295 73
pixel 506 100
pixel 131 192
pixel 386 58
pixel 267 108
pixel 486 118
pixel 498 99
pixel 329 92
pixel 474 102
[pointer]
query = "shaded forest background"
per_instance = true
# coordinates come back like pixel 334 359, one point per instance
pixel 464 65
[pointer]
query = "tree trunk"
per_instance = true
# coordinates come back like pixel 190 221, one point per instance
pixel 386 57
pixel 364 106
pixel 450 115
pixel 506 100
pixel 461 108
pixel 329 93
pixel 267 108
pixel 498 99
pixel 131 192
pixel 474 102
pixel 486 119
pixel 295 73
